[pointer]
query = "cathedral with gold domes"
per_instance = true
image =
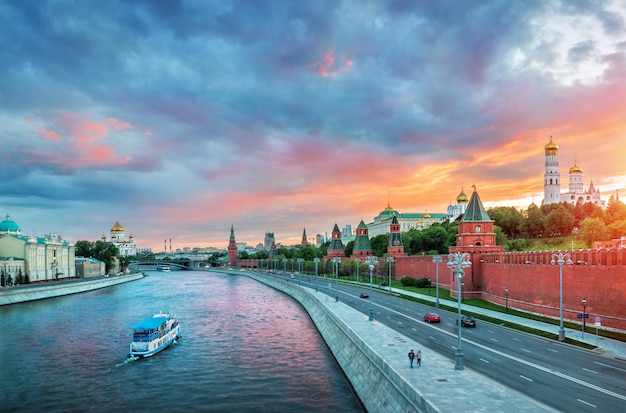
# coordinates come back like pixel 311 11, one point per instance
pixel 125 247
pixel 577 194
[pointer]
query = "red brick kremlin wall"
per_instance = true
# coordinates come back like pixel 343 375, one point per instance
pixel 598 276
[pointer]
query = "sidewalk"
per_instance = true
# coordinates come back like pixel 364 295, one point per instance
pixel 437 381
pixel 615 347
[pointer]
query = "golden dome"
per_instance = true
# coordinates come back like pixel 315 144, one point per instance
pixel 462 198
pixel 552 148
pixel 117 227
pixel 575 169
pixel 103 237
pixel 389 208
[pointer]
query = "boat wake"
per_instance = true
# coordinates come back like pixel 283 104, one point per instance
pixel 128 360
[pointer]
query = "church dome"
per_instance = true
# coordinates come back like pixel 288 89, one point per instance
pixel 389 211
pixel 117 227
pixel 8 226
pixel 575 169
pixel 552 148
pixel 462 198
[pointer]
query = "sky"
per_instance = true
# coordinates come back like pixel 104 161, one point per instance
pixel 182 118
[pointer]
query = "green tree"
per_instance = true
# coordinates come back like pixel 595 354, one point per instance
pixel 379 244
pixel 615 211
pixel 592 229
pixel 560 221
pixel 349 248
pixel 535 222
pixel 617 229
pixel 509 219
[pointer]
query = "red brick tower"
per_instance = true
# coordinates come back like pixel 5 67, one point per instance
pixel 336 248
pixel 304 241
pixel 395 246
pixel 232 248
pixel 476 236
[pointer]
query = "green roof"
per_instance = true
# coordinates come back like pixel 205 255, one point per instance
pixel 475 211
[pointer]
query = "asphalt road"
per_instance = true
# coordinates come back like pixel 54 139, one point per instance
pixel 560 375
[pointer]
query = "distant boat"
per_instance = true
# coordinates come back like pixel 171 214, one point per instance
pixel 154 334
pixel 164 268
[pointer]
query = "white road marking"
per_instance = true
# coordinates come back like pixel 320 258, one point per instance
pixel 609 366
pixel 526 378
pixel 526 350
pixel 482 359
pixel 553 350
pixel 587 403
pixel 590 371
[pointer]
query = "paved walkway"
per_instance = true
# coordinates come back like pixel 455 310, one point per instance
pixel 446 389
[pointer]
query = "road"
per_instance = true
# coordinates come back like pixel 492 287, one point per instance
pixel 565 377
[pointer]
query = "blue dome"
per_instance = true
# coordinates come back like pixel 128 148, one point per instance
pixel 9 226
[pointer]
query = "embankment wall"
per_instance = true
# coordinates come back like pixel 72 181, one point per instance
pixel 378 386
pixel 13 295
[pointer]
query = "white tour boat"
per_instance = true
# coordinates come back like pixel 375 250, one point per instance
pixel 154 334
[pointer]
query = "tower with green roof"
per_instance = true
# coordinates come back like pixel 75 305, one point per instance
pixel 362 246
pixel 476 230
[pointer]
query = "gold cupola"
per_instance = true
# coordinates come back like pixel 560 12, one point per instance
pixel 117 227
pixel 551 148
pixel 462 198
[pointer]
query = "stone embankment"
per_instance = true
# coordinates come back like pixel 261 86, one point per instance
pixel 13 295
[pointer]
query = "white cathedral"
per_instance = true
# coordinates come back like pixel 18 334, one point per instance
pixel 577 194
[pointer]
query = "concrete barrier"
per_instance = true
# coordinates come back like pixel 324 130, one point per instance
pixel 378 386
pixel 13 295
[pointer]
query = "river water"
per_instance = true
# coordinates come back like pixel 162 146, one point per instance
pixel 245 348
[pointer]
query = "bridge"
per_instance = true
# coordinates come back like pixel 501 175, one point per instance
pixel 152 265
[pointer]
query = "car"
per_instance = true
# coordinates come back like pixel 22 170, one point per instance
pixel 432 317
pixel 365 295
pixel 467 321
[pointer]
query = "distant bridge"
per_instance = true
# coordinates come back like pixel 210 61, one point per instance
pixel 178 265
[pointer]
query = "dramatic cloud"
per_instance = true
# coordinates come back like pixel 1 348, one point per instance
pixel 181 118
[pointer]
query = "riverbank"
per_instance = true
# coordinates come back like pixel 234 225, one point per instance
pixel 31 292
pixel 374 359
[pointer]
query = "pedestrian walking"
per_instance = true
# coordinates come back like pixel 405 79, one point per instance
pixel 411 357
pixel 419 357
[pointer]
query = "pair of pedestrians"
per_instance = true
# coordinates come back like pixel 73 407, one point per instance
pixel 413 356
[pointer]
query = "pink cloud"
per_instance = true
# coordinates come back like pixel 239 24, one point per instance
pixel 85 137
pixel 119 125
pixel 49 134
pixel 329 65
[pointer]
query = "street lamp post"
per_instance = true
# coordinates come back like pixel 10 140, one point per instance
pixel 300 261
pixel 456 262
pixel 584 308
pixel 437 259
pixel 358 262
pixel 316 261
pixel 371 261
pixel 336 261
pixel 390 262
pixel 284 266
pixel 506 293
pixel 561 259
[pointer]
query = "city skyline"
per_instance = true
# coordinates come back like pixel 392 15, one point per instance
pixel 180 119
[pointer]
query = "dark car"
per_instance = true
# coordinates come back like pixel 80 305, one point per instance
pixel 467 321
pixel 365 295
pixel 432 318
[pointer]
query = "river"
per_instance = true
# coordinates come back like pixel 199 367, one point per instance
pixel 245 348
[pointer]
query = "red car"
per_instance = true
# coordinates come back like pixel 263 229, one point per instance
pixel 432 318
